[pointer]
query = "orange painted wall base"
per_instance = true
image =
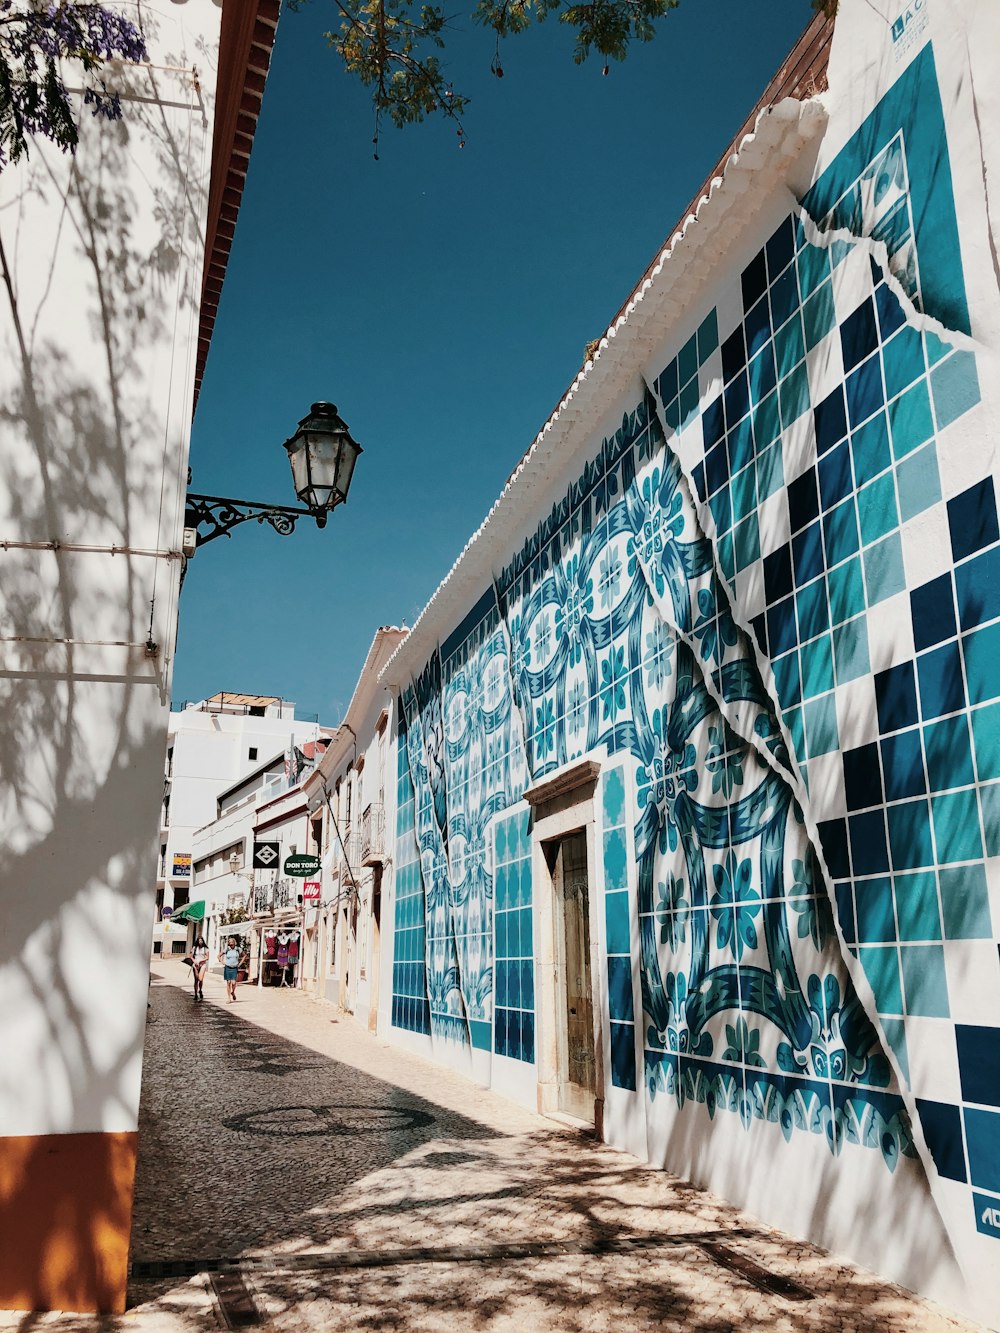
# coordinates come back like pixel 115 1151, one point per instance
pixel 65 1219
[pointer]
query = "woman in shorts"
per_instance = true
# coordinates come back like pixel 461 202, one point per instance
pixel 230 959
pixel 199 966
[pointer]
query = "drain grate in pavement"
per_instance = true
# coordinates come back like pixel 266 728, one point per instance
pixel 761 1278
pixel 236 1304
pixel 709 1242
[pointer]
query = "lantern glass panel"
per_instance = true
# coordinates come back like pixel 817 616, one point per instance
pixel 345 471
pixel 323 451
pixel 298 458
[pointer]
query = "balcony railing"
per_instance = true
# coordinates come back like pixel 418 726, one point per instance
pixel 371 840
pixel 268 898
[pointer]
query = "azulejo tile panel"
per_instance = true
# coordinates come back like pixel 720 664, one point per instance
pixel 880 674
pixel 460 711
pixel 410 1008
pixel 740 965
pixel 724 605
pixel 514 969
pixel 617 916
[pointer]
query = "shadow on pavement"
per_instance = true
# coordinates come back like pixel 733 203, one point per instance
pixel 243 1132
pixel 334 1199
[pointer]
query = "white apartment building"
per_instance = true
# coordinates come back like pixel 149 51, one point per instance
pixel 266 808
pixel 220 752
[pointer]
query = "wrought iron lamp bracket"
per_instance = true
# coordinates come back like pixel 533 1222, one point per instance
pixel 222 514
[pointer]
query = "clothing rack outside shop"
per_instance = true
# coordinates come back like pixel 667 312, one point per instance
pixel 280 951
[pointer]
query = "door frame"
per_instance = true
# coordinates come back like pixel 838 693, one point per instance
pixel 564 803
pixel 576 1099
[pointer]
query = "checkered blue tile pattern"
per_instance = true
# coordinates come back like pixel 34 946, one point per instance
pixel 410 1008
pixel 617 916
pixel 821 419
pixel 514 968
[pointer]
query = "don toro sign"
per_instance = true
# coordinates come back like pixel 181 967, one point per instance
pixel 301 866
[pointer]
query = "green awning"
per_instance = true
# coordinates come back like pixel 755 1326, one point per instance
pixel 189 912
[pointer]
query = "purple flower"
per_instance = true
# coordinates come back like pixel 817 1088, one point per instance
pixel 33 97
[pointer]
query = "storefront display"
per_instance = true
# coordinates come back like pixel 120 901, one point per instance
pixel 280 958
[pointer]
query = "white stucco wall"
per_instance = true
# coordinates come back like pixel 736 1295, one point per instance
pixel 103 255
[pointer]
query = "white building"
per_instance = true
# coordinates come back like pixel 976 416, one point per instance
pixel 219 751
pixel 265 812
pixel 113 261
pixel 351 795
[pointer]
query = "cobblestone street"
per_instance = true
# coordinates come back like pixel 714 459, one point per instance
pixel 297 1173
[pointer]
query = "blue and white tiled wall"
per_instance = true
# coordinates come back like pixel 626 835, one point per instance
pixel 738 599
pixel 514 966
pixel 872 584
pixel 464 761
pixel 410 1009
pixel 617 919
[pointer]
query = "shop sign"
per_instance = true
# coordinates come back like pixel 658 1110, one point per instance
pixel 310 889
pixel 166 912
pixel 301 866
pixel 266 855
pixel 182 865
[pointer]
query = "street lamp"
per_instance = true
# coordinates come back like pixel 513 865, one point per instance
pixel 322 454
pixel 237 871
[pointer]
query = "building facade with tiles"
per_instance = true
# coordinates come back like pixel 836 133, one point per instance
pixel 697 803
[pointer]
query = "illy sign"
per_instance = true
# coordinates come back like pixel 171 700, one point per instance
pixel 310 889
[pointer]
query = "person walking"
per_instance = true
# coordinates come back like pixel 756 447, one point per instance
pixel 230 959
pixel 199 966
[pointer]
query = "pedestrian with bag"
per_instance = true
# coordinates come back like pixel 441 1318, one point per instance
pixel 199 966
pixel 230 959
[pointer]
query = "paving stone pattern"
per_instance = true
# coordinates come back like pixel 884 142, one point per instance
pixel 296 1173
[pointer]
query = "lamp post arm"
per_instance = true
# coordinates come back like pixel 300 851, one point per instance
pixel 222 514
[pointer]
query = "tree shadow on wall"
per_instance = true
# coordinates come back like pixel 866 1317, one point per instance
pixel 96 255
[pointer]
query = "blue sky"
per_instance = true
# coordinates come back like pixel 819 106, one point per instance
pixel 442 298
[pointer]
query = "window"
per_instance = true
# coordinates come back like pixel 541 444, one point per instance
pixel 252 752
pixel 218 862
